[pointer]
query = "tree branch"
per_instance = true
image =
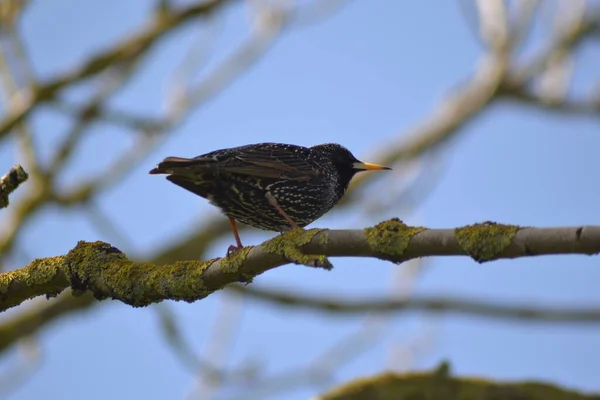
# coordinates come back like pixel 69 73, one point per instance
pixel 565 106
pixel 439 384
pixel 29 321
pixel 10 182
pixel 466 306
pixel 108 273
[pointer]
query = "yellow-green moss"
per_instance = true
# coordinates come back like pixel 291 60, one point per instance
pixel 107 272
pixel 437 385
pixel 38 272
pixel 391 238
pixel 41 272
pixel 47 270
pixel 182 280
pixel 141 284
pixel 323 238
pixel 234 260
pixel 485 241
pixel 289 244
pixel 86 261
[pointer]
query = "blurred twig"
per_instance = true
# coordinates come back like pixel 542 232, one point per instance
pixel 320 371
pixel 269 23
pixel 10 11
pixel 218 346
pixel 561 106
pixel 444 123
pixel 569 37
pixel 16 74
pixel 28 362
pixel 107 84
pixel 182 349
pixel 431 304
pixel 124 51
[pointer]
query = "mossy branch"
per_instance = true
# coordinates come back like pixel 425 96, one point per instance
pixel 106 272
pixel 439 384
pixel 10 182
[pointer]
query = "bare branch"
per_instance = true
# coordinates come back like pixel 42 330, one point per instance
pixel 29 361
pixel 108 84
pixel 218 346
pixel 566 41
pixel 493 23
pixel 562 105
pixel 125 51
pixel 147 124
pixel 269 23
pixel 438 305
pixel 183 350
pixel 449 117
pixel 16 73
pixel 29 321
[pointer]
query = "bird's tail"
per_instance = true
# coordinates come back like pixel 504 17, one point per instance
pixel 170 164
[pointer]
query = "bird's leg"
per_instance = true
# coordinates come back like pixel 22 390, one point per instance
pixel 273 202
pixel 238 241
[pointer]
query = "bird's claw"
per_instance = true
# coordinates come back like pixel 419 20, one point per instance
pixel 232 248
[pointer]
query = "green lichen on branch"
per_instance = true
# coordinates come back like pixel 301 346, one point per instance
pixel 10 182
pixel 41 276
pixel 485 241
pixel 289 245
pixel 235 260
pixel 323 239
pixel 233 263
pixel 391 238
pixel 438 384
pixel 108 273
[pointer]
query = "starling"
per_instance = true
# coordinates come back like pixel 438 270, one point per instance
pixel 270 186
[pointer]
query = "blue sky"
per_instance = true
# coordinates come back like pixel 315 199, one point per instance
pixel 361 78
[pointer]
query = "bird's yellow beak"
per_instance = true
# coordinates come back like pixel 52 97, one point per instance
pixel 365 166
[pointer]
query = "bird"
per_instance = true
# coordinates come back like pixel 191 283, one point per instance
pixel 270 186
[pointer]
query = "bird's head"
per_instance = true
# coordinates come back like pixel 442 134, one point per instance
pixel 344 161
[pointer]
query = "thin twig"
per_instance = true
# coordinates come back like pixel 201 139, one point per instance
pixel 482 308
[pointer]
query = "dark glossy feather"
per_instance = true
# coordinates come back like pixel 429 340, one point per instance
pixel 266 160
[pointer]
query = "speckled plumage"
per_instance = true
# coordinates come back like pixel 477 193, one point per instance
pixel 246 181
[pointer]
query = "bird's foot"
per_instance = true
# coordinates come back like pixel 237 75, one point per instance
pixel 232 248
pixel 287 228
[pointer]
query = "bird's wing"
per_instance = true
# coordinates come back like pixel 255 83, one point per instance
pixel 266 161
